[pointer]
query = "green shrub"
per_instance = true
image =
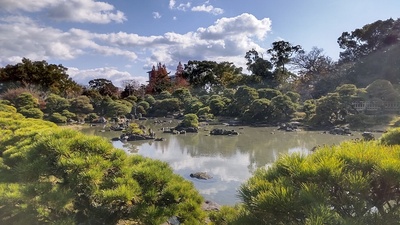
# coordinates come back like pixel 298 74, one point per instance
pixel 71 115
pixel 144 104
pixel 7 108
pixel 359 121
pixel 203 110
pixel 134 128
pixel 140 109
pixel 206 117
pixel 164 107
pixel 150 99
pixel 190 120
pixel 226 215
pixel 53 175
pixel 57 118
pixel 31 113
pixel 334 185
pixel 91 117
pixel 397 123
pixel 392 137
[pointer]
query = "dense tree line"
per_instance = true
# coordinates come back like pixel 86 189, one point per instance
pixel 42 90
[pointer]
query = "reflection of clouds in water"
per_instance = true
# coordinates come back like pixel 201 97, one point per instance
pixel 228 172
pixel 222 192
pixel 237 170
pixel 229 160
pixel 213 190
pixel 302 150
pixel 233 168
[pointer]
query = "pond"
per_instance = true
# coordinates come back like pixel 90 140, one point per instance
pixel 230 160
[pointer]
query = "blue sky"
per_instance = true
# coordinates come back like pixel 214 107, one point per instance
pixel 122 39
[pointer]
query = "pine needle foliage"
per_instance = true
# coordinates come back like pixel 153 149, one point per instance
pixel 352 183
pixel 53 175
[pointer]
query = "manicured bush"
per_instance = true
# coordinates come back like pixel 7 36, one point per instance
pixel 392 137
pixel 144 104
pixel 353 183
pixel 190 120
pixel 31 113
pixel 203 111
pixel 71 115
pixel 91 117
pixel 358 121
pixel 53 175
pixel 57 118
pixel 134 128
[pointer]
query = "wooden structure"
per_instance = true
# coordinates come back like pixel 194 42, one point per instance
pixel 371 106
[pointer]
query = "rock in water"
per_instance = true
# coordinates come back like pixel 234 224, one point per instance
pixel 201 175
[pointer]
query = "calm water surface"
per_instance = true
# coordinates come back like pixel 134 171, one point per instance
pixel 230 160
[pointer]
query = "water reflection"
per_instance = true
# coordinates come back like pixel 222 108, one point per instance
pixel 230 160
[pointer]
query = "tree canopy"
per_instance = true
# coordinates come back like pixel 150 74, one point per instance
pixel 104 87
pixel 368 39
pixel 47 76
pixel 281 53
pixel 52 175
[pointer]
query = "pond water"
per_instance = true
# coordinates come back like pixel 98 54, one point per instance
pixel 230 160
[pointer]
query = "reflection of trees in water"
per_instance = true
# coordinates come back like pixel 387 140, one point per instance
pixel 131 148
pixel 202 144
pixel 162 145
pixel 262 144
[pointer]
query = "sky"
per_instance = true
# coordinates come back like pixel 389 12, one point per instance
pixel 121 40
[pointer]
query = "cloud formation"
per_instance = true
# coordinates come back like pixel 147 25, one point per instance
pixel 228 39
pixel 156 15
pixel 23 37
pixel 110 73
pixel 172 4
pixel 208 9
pixel 82 11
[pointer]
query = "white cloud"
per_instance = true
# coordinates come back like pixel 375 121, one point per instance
pixel 23 37
pixel 172 4
pixel 183 6
pixel 110 73
pixel 244 24
pixel 208 9
pixel 25 5
pixel 82 11
pixel 228 39
pixel 180 7
pixel 156 15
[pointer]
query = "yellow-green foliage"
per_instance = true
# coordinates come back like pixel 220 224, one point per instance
pixel 190 120
pixel 392 137
pixel 134 128
pixel 53 175
pixel 353 183
pixel 7 108
pixel 226 215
